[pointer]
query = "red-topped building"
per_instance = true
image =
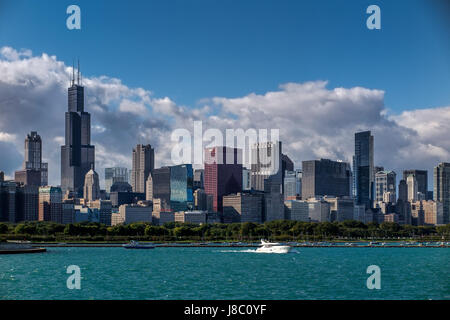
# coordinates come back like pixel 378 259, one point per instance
pixel 223 173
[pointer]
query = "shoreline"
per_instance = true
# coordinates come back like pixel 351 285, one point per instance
pixel 197 245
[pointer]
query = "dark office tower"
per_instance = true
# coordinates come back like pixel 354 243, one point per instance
pixel 27 203
pixel 442 187
pixel 34 172
pixel 402 191
pixel 223 173
pixel 77 154
pixel 286 163
pixel 161 184
pixel 325 178
pixel 363 168
pixel 402 207
pixel 143 164
pixel 422 180
pixel 8 201
pixel 2 176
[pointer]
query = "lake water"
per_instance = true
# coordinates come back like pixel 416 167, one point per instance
pixel 227 273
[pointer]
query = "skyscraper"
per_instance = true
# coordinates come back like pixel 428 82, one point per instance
pixel 115 174
pixel 50 204
pixel 403 207
pixel 91 189
pixel 363 168
pixel 411 182
pixel 385 181
pixel 266 161
pixel 77 155
pixel 422 180
pixel 223 173
pixel 292 184
pixel 161 185
pixel 181 187
pixel 143 164
pixel 325 177
pixel 442 188
pixel 34 172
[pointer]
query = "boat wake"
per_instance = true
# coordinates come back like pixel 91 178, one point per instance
pixel 255 251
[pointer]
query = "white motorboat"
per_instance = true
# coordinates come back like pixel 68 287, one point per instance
pixel 272 247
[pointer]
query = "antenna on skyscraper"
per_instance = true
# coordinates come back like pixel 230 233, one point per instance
pixel 78 76
pixel 73 72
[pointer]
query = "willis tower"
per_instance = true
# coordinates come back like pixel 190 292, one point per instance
pixel 77 155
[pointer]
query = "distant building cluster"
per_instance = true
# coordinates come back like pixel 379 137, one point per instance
pixel 224 191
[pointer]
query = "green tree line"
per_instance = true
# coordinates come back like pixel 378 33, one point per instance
pixel 174 231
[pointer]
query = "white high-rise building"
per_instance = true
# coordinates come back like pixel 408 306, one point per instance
pixel 91 190
pixel 412 188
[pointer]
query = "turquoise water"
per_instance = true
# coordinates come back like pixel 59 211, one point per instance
pixel 227 273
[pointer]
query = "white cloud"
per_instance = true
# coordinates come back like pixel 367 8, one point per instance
pixel 12 54
pixel 132 107
pixel 6 137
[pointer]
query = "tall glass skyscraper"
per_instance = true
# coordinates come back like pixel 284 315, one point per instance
pixel 77 154
pixel 181 187
pixel 363 168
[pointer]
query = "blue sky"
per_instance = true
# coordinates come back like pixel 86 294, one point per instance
pixel 194 49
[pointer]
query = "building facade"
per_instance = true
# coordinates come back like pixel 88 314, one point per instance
pixel 421 178
pixel 181 187
pixel 297 210
pixel 292 184
pixel 115 174
pixel 242 207
pixel 441 177
pixel 50 204
pixel 223 173
pixel 266 161
pixel 77 154
pixel 142 165
pixel 91 190
pixel 385 181
pixel 363 168
pixel 325 177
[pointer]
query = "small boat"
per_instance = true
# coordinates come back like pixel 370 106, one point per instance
pixel 272 247
pixel 136 245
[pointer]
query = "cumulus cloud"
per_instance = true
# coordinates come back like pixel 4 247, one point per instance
pixel 315 121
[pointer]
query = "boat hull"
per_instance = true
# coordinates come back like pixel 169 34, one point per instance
pixel 274 249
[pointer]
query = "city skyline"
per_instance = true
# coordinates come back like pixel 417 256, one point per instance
pixel 124 161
